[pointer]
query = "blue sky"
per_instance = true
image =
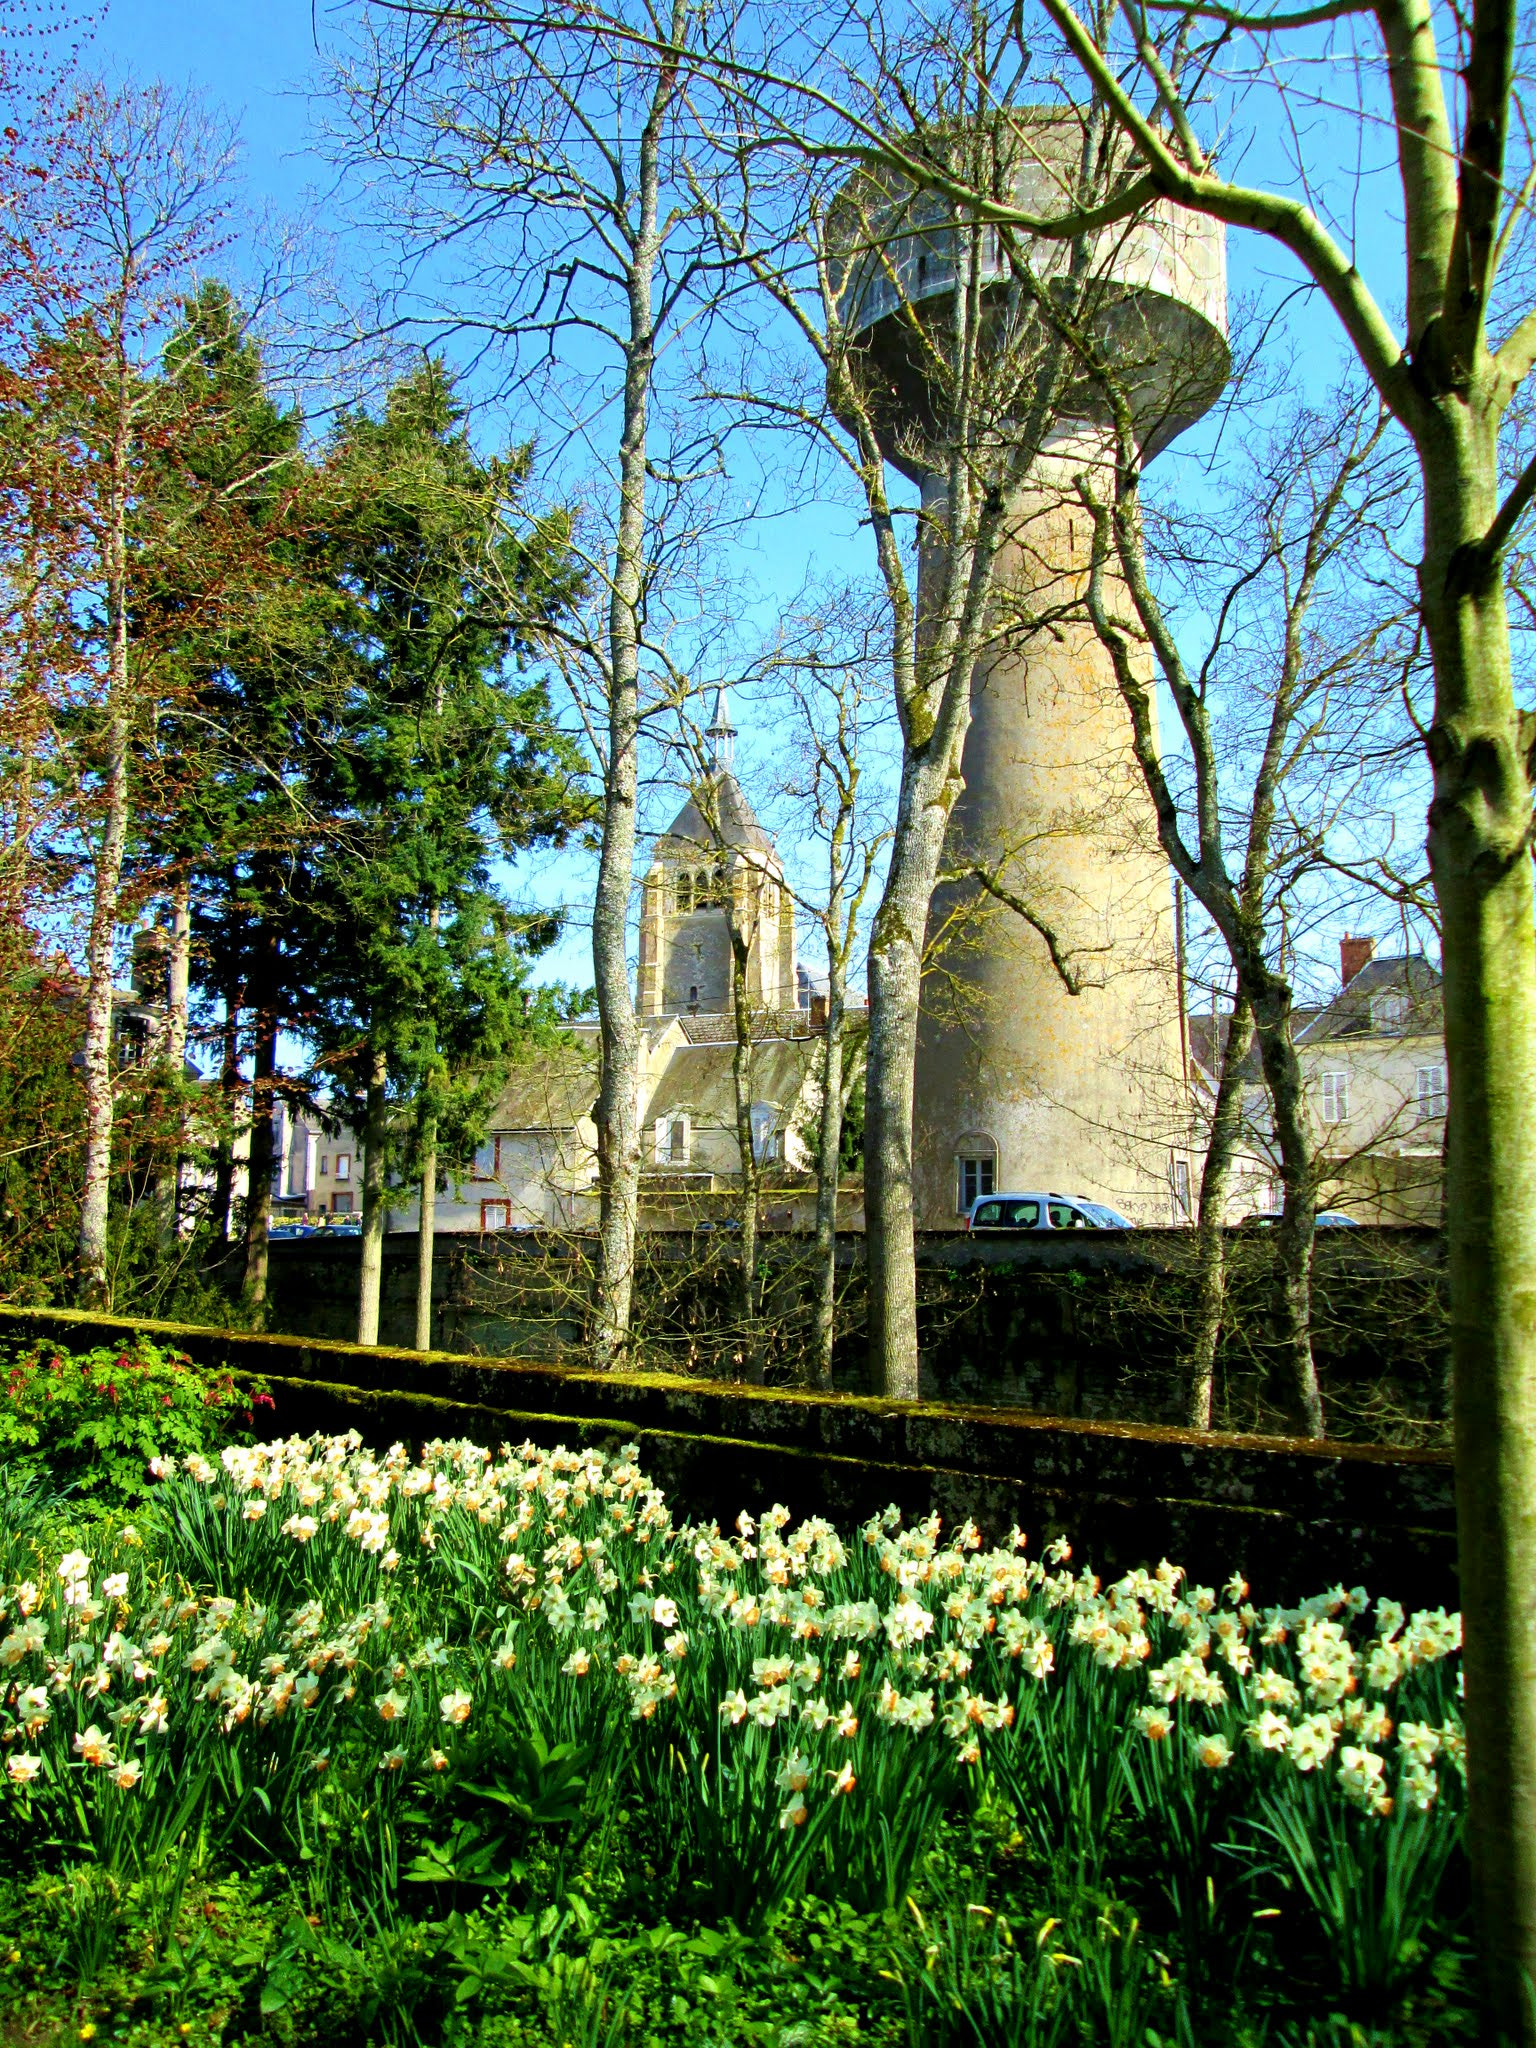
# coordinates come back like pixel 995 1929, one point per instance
pixel 259 64
pixel 258 61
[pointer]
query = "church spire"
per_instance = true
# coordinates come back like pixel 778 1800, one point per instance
pixel 721 735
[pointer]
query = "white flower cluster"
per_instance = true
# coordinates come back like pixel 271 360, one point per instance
pixel 792 1647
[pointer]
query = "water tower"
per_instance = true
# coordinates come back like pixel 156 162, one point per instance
pixel 1021 1084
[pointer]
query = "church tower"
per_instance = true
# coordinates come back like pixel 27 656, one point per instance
pixel 714 858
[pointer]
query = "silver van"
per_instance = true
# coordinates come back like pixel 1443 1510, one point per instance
pixel 1043 1212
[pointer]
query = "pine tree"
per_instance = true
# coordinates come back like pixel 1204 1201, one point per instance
pixel 447 755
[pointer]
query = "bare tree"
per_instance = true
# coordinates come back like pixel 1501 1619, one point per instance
pixel 538 190
pixel 832 676
pixel 137 198
pixel 1463 178
pixel 1319 497
pixel 958 394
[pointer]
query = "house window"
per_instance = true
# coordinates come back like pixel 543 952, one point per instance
pixel 495 1215
pixel 325 1162
pixel 343 1165
pixel 1181 1209
pixel 1429 1088
pixel 977 1176
pixel 487 1163
pixel 672 1141
pixel 765 1133
pixel 341 1205
pixel 1335 1098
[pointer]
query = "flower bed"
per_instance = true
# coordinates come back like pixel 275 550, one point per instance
pixel 505 1715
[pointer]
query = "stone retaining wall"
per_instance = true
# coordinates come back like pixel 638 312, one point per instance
pixel 1294 1516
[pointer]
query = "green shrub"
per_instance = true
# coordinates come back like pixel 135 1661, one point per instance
pixel 89 1422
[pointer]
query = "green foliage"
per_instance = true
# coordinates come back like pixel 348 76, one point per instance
pixel 41 1127
pixel 448 756
pixel 89 1422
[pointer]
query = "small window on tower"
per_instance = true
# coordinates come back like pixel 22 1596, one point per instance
pixel 693 995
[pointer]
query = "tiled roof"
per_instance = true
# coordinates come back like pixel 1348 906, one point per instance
pixel 1357 1010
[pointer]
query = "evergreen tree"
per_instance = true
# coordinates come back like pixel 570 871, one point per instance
pixel 237 610
pixel 447 755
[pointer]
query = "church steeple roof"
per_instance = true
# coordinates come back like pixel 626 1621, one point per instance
pixel 717 818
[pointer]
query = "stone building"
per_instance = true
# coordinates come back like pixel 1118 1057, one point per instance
pixel 714 867
pixel 1373 1059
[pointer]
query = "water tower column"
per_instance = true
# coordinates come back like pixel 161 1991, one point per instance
pixel 1018 1079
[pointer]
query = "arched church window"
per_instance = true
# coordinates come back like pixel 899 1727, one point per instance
pixel 684 894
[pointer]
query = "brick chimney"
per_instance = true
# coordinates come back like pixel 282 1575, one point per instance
pixel 1354 954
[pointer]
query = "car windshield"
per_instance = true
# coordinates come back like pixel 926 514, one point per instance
pixel 1107 1219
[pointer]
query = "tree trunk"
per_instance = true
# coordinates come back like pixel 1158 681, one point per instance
pixel 375 1208
pixel 168 1193
pixel 746 1150
pixel 180 975
pixel 1296 1233
pixel 895 989
pixel 97 1056
pixel 1211 1239
pixel 224 1157
pixel 1479 848
pixel 617 1109
pixel 426 1229
pixel 261 1158
pixel 828 1168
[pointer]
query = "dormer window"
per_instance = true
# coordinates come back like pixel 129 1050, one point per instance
pixel 1389 1010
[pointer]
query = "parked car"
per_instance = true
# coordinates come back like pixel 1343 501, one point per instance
pixel 1325 1219
pixel 1043 1212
